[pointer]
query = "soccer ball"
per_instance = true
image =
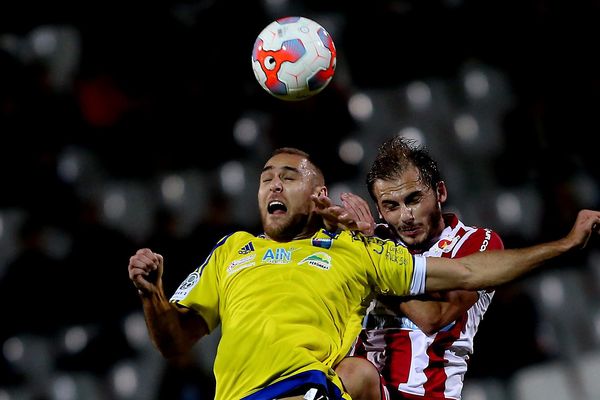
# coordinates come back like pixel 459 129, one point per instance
pixel 293 58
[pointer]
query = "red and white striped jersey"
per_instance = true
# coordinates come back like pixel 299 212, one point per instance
pixel 417 365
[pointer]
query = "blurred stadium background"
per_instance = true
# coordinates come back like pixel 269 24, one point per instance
pixel 128 125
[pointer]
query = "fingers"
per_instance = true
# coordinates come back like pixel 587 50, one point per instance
pixel 142 263
pixel 322 201
pixel 586 224
pixel 360 211
pixel 590 220
pixel 594 221
pixel 354 214
pixel 358 204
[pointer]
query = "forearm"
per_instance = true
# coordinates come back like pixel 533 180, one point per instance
pixel 490 269
pixel 172 331
pixel 427 315
pixel 431 314
pixel 495 268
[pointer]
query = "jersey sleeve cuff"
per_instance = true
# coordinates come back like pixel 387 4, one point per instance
pixel 417 285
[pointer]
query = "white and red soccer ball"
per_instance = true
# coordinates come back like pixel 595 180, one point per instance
pixel 293 58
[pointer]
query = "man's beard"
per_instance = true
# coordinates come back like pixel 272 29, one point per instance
pixel 289 229
pixel 434 227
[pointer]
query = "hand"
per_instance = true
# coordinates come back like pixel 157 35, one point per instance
pixel 353 215
pixel 360 211
pixel 145 270
pixel 587 223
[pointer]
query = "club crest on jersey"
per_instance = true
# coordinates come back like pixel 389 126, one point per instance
pixel 248 248
pixel 320 260
pixel 446 245
pixel 186 286
pixel 322 242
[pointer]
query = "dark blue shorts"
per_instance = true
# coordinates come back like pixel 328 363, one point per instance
pixel 299 385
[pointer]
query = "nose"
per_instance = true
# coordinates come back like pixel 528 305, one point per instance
pixel 406 213
pixel 276 185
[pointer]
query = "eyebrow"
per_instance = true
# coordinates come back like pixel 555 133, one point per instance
pixel 408 196
pixel 285 167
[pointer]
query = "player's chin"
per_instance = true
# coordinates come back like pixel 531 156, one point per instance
pixel 276 231
pixel 412 238
pixel 275 223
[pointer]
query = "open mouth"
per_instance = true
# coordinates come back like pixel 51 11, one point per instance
pixel 276 207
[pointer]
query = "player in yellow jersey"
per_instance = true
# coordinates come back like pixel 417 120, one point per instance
pixel 290 301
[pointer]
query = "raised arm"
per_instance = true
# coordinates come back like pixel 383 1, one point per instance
pixel 489 269
pixel 173 330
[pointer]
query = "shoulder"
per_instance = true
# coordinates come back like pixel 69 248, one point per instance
pixel 481 239
pixel 240 235
pixel 235 239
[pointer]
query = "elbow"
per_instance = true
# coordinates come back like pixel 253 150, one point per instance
pixel 432 325
pixel 171 352
pixel 466 279
pixel 171 349
pixel 474 280
pixel 430 328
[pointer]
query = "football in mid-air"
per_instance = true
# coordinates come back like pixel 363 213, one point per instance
pixel 293 58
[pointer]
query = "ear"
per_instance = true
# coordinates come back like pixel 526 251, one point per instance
pixel 323 191
pixel 442 192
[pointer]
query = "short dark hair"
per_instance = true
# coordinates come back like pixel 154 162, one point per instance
pixel 298 152
pixel 395 156
pixel 291 150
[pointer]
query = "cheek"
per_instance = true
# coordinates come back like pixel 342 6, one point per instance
pixel 262 196
pixel 391 217
pixel 426 209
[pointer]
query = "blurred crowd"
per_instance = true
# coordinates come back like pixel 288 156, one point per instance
pixel 102 94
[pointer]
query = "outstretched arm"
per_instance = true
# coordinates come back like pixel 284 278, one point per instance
pixel 489 269
pixel 173 330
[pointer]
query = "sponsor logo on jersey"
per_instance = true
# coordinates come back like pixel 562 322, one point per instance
pixel 248 248
pixel 241 263
pixel 322 242
pixel 446 245
pixel 320 260
pixel 280 255
pixel 486 240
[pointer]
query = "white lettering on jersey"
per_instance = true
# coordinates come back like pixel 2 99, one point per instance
pixel 186 286
pixel 241 263
pixel 486 240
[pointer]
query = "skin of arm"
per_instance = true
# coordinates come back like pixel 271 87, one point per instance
pixel 433 312
pixel 173 330
pixel 493 268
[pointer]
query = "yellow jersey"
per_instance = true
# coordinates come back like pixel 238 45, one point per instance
pixel 288 308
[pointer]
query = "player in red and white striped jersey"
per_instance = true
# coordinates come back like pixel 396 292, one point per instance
pixel 419 353
pixel 420 346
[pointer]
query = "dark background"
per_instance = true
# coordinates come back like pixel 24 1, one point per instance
pixel 103 104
